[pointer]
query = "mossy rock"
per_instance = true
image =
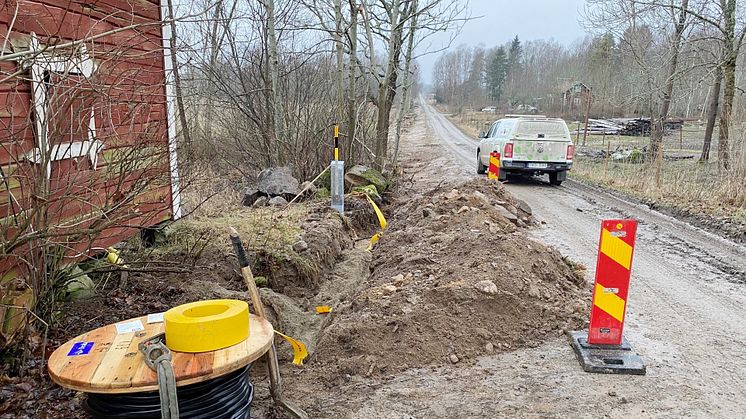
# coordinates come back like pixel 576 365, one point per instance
pixel 360 175
pixel 369 190
pixel 80 286
pixel 322 193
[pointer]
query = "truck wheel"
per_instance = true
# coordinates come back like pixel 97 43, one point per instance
pixel 556 178
pixel 481 169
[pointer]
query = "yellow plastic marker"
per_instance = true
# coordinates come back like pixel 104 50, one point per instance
pixel 323 309
pixel 379 214
pixel 112 256
pixel 299 349
pixel 204 326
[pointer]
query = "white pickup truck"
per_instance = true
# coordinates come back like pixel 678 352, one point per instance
pixel 531 145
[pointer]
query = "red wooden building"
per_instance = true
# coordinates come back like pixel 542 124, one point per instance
pixel 87 153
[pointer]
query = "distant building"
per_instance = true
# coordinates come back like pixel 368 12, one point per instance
pixel 575 97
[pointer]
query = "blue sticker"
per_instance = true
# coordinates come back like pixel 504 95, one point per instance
pixel 80 348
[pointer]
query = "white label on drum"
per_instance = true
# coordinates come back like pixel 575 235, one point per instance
pixel 155 318
pixel 129 327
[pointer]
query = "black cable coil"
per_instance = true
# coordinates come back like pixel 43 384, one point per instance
pixel 226 397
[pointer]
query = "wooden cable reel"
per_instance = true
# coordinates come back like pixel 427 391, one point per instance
pixel 106 361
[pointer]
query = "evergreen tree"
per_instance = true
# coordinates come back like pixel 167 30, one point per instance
pixel 497 73
pixel 515 59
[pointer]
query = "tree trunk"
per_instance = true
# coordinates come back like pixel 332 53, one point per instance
pixel 729 93
pixel 729 88
pixel 656 134
pixel 274 79
pixel 712 112
pixel 211 71
pixel 339 50
pixel 177 77
pixel 387 89
pixel 351 104
pixel 405 82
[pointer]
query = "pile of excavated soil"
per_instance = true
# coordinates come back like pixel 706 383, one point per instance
pixel 454 278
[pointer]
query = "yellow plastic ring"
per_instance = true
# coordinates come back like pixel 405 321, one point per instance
pixel 204 326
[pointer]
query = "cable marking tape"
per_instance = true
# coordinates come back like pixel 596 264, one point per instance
pixel 299 349
pixel 204 326
pixel 374 240
pixel 381 219
pixel 323 309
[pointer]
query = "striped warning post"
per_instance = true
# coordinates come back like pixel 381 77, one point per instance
pixel 494 169
pixel 616 247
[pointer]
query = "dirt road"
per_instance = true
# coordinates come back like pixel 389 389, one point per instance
pixel 686 309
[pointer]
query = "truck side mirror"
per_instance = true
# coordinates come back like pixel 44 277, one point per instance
pixel 482 134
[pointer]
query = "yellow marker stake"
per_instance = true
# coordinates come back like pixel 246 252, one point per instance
pixel 299 349
pixel 336 142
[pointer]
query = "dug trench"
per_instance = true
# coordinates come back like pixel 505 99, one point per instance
pixel 454 278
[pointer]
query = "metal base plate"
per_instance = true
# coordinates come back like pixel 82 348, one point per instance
pixel 604 358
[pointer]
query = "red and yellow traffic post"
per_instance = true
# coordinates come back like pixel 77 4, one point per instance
pixel 493 172
pixel 603 348
pixel 613 267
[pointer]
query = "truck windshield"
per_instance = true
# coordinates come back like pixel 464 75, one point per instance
pixel 541 129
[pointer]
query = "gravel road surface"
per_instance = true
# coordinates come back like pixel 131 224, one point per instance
pixel 685 316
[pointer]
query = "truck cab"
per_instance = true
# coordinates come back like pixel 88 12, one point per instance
pixel 529 145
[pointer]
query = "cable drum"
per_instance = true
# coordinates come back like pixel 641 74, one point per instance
pixel 225 397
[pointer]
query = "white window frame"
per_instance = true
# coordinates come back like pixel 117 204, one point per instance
pixel 41 64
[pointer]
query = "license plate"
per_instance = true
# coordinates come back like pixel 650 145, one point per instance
pixel 537 165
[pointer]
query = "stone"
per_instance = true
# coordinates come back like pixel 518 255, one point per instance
pixel 486 287
pixel 489 348
pixel 462 210
pixel 388 289
pixel 310 188
pixel 506 214
pixel 80 286
pixel 453 358
pixel 398 278
pixel 523 206
pixel 250 196
pixel 300 246
pixel 511 209
pixel 360 175
pixel 277 201
pixel 262 201
pixel 276 181
pixel 483 333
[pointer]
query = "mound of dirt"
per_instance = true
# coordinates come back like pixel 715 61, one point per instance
pixel 454 278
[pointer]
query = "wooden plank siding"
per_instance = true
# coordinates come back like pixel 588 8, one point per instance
pixel 84 209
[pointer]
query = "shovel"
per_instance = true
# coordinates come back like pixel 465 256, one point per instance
pixel 275 380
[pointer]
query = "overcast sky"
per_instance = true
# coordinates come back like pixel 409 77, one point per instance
pixel 498 21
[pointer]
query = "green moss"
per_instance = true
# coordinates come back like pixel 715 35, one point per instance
pixel 261 281
pixel 369 190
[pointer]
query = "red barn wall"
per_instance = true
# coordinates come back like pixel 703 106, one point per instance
pixel 81 209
